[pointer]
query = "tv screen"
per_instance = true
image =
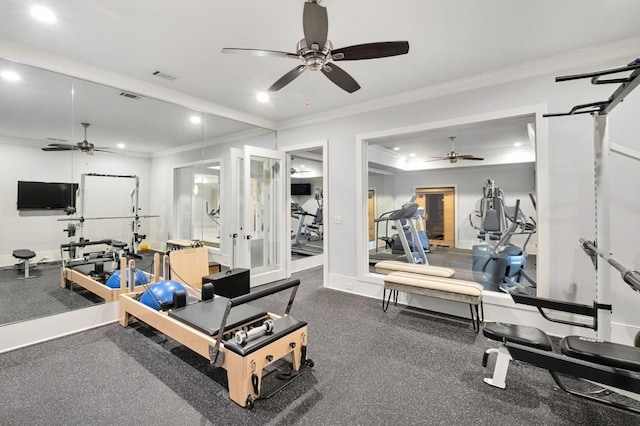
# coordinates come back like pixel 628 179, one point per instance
pixel 46 195
pixel 300 189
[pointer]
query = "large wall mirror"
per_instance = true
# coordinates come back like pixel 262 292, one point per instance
pixel 137 143
pixel 451 193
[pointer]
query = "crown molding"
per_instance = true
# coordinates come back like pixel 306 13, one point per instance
pixel 626 49
pixel 38 58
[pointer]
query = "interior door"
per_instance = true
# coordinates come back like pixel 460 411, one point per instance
pixel 439 217
pixel 264 187
pixel 372 214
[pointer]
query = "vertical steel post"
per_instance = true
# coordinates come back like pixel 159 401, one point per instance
pixel 603 229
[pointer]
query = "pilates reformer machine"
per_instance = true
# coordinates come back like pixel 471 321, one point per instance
pixel 614 368
pixel 105 274
pixel 230 333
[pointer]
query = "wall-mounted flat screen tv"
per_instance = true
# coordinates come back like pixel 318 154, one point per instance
pixel 46 195
pixel 300 189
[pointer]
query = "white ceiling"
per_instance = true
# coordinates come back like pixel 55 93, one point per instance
pixel 448 40
pixel 508 137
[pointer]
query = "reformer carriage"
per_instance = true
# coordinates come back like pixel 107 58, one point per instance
pixel 242 339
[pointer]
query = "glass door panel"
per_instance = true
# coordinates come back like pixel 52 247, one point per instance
pixel 264 213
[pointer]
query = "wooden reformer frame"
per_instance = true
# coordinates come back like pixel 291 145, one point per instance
pixel 244 373
pixel 69 275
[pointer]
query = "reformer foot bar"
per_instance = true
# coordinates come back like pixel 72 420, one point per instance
pixel 208 327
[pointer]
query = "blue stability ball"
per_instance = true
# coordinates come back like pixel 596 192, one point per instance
pixel 114 279
pixel 160 293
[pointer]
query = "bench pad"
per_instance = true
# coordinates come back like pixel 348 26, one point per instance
pixel 389 266
pixel 520 334
pixel 443 288
pixel 281 327
pixel 605 353
pixel 205 316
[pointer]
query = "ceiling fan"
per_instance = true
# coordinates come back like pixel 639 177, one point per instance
pixel 317 53
pixel 453 156
pixel 84 146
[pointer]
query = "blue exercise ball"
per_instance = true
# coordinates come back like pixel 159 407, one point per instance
pixel 160 293
pixel 114 280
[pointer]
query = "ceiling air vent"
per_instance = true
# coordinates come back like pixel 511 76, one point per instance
pixel 130 95
pixel 164 75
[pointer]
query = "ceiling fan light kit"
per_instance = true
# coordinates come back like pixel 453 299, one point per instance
pixel 316 52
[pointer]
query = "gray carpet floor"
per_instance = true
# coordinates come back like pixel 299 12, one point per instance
pixel 41 295
pixel 404 367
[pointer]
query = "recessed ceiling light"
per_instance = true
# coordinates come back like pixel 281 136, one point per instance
pixel 43 14
pixel 262 97
pixel 412 154
pixel 195 119
pixel 397 148
pixel 121 145
pixel 517 144
pixel 10 75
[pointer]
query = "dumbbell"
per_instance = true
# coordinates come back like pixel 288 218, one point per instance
pixel 244 336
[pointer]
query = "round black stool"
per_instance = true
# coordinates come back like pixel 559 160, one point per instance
pixel 23 255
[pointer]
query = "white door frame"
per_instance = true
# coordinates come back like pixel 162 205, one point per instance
pixel 542 188
pixel 324 258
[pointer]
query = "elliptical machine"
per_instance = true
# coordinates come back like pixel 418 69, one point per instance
pixel 498 264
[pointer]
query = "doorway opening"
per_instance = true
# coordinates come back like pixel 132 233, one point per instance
pixel 439 219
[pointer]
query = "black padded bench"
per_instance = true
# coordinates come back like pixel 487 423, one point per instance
pixel 604 353
pixel 512 333
pixel 24 255
pixel 206 316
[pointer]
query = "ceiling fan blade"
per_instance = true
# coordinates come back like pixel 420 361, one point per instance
pixel 62 145
pixel 56 148
pixel 315 24
pixel 261 52
pixel 340 78
pixel 370 51
pixel 469 157
pixel 436 159
pixel 287 78
pixel 105 150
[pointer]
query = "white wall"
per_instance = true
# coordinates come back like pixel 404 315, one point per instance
pixel 516 180
pixel 569 172
pixel 41 231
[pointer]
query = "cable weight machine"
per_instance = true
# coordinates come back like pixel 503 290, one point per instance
pixel 76 224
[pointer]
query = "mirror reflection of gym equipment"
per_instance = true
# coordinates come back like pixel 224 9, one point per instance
pixel 308 238
pixel 307 203
pixel 498 263
pixel 397 228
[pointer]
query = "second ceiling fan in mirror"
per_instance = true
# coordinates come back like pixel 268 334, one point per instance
pixel 453 156
pixel 84 146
